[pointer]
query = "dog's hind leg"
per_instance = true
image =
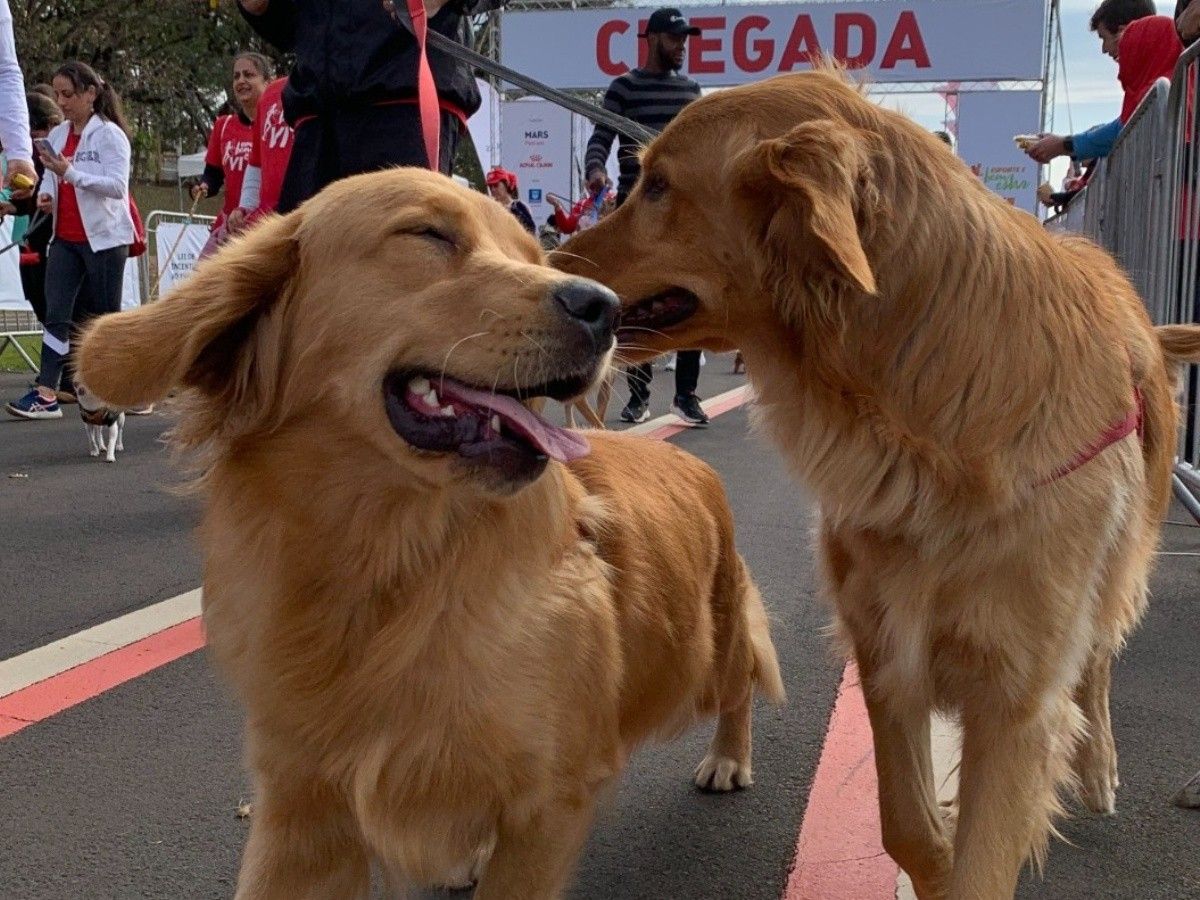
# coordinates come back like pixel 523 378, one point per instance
pixel 1095 762
pixel 121 431
pixel 727 763
pixel 93 436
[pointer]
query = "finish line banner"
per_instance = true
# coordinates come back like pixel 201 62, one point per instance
pixel 891 40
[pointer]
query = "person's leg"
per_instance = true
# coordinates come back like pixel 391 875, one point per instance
pixel 65 275
pixel 33 285
pixel 687 372
pixel 638 379
pixel 312 165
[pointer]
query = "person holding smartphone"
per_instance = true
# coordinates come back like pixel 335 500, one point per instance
pixel 85 188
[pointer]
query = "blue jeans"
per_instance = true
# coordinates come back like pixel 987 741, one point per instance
pixel 80 283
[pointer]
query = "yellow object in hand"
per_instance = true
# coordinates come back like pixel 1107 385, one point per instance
pixel 22 182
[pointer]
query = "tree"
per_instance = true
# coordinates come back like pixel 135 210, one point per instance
pixel 168 59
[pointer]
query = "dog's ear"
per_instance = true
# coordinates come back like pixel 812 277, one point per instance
pixel 807 185
pixel 200 334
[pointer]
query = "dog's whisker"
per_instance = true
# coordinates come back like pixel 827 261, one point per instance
pixel 456 345
pixel 567 253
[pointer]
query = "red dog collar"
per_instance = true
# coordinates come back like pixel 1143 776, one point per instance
pixel 1116 432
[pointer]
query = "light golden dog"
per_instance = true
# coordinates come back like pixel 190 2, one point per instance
pixel 963 393
pixel 446 644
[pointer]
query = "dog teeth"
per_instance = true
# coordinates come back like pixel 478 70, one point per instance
pixel 431 398
pixel 495 423
pixel 448 412
pixel 419 386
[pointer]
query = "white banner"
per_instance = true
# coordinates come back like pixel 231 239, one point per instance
pixel 12 295
pixel 187 240
pixel 893 40
pixel 987 121
pixel 535 144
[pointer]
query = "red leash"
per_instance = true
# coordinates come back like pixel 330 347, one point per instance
pixel 428 107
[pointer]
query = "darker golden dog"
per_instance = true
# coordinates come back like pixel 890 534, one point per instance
pixel 449 623
pixel 965 394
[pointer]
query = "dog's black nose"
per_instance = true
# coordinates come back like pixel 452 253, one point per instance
pixel 592 305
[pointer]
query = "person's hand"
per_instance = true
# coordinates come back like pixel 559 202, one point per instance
pixel 1046 148
pixel 254 7
pixel 56 163
pixel 236 220
pixel 554 201
pixel 20 167
pixel 597 178
pixel 1188 22
pixel 199 190
pixel 45 204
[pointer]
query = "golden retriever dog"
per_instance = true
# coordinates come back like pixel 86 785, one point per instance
pixel 448 622
pixel 964 393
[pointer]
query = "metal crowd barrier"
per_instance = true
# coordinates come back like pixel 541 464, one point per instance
pixel 19 323
pixel 172 250
pixel 1139 204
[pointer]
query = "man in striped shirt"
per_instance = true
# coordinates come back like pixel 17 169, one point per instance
pixel 652 96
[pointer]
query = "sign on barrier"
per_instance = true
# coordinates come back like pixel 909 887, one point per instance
pixel 175 240
pixel 893 40
pixel 536 146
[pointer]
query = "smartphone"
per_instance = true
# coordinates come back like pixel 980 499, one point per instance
pixel 45 147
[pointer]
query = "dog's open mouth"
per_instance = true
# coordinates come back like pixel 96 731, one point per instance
pixel 439 414
pixel 657 313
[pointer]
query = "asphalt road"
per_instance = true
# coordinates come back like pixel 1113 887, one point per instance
pixel 133 794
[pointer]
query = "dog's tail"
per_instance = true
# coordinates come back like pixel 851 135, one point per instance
pixel 766 675
pixel 1180 343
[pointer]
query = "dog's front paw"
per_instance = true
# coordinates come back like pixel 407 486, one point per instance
pixel 721 773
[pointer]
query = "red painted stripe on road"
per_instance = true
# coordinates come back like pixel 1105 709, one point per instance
pixel 714 408
pixel 839 855
pixel 47 698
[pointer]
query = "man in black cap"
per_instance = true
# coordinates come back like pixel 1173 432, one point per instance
pixel 652 96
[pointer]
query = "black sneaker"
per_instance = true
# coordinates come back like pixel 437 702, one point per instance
pixel 687 407
pixel 635 412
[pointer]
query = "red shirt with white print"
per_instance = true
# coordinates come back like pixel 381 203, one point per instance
pixel 271 145
pixel 68 223
pixel 229 148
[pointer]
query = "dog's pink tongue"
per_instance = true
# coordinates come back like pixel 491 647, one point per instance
pixel 557 443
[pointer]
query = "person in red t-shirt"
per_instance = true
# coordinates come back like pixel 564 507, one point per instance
pixel 270 150
pixel 229 143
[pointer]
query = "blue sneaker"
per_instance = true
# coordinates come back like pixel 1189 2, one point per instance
pixel 32 406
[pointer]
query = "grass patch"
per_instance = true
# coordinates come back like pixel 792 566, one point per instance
pixel 150 197
pixel 10 360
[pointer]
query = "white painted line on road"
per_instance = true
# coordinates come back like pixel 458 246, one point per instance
pixel 19 672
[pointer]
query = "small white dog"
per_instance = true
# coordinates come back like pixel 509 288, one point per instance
pixel 105 426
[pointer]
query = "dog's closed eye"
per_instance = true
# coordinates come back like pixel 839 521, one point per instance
pixel 428 232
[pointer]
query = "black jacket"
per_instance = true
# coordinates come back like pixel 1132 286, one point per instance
pixel 350 53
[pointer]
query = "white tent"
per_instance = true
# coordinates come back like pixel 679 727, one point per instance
pixel 191 165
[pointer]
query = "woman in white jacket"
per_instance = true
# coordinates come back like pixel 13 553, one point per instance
pixel 86 188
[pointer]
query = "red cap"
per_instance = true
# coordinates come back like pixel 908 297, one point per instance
pixel 502 176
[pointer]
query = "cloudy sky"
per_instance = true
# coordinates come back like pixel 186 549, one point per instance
pixel 1090 83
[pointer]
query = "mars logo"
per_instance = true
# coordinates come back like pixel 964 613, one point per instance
pixel 537 135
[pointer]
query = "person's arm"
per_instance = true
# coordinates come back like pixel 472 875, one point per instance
pixel 251 188
pixel 14 113
pixel 1096 142
pixel 595 160
pixel 213 177
pixel 273 20
pixel 113 179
